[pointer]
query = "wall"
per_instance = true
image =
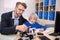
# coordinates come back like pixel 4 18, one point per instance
pixel 57 5
pixel 1 7
pixel 8 5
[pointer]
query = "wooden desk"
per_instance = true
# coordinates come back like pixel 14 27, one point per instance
pixel 52 37
pixel 46 33
pixel 15 37
pixel 51 30
pixel 7 37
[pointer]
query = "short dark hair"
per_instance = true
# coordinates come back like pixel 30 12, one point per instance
pixel 23 4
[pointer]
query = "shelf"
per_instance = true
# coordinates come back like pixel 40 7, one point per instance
pixel 51 15
pixel 40 14
pixel 53 2
pixel 41 4
pixel 41 8
pixel 46 15
pixel 52 8
pixel 36 13
pixel 41 0
pixel 45 8
pixel 37 1
pixel 37 6
pixel 46 2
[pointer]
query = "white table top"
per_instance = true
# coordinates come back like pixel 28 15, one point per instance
pixel 7 37
pixel 13 37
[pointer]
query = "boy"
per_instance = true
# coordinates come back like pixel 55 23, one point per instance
pixel 32 21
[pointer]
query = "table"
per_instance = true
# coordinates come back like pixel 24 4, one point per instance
pixel 49 31
pixel 7 37
pixel 15 37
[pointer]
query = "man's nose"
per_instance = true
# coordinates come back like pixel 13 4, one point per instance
pixel 21 11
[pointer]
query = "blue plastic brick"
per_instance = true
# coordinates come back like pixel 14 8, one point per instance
pixel 37 12
pixel 53 2
pixel 51 15
pixel 40 14
pixel 46 15
pixel 46 2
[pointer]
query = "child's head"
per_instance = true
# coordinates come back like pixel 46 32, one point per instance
pixel 33 17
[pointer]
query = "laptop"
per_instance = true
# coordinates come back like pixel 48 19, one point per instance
pixel 57 25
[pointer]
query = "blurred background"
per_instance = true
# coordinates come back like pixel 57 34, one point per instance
pixel 8 5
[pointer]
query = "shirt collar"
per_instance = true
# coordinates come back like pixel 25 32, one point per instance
pixel 13 17
pixel 31 22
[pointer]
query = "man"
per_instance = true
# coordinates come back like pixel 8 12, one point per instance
pixel 11 21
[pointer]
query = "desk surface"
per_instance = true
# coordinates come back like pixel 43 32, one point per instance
pixel 7 37
pixel 14 37
pixel 49 31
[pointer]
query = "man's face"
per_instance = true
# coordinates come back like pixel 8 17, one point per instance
pixel 19 10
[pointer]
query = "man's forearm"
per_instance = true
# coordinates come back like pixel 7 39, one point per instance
pixel 9 30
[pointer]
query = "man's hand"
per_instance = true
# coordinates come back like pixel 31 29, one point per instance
pixel 22 28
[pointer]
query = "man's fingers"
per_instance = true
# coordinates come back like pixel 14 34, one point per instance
pixel 22 28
